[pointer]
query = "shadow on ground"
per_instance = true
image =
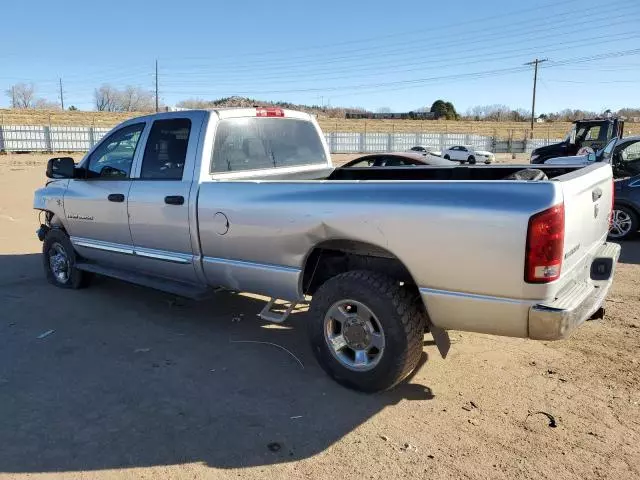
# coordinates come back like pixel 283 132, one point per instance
pixel 131 377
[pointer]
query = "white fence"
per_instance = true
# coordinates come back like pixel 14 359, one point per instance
pixel 15 138
pixel 30 138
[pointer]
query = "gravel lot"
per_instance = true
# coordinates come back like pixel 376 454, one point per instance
pixel 133 383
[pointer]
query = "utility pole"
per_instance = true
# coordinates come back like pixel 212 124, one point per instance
pixel 535 63
pixel 61 95
pixel 156 85
pixel 13 96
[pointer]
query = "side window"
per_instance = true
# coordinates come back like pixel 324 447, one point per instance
pixel 114 156
pixel 631 153
pixel 593 133
pixel 166 149
pixel 628 160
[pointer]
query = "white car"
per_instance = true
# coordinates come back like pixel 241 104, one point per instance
pixel 425 150
pixel 465 153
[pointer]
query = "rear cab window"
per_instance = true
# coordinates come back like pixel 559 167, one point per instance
pixel 257 143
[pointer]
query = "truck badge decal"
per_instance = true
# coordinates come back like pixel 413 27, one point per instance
pixel 572 251
pixel 75 216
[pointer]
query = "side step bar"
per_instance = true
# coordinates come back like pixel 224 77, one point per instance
pixel 180 289
pixel 268 315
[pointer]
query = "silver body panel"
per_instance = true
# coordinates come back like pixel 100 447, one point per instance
pixel 463 242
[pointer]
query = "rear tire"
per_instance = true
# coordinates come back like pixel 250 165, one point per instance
pixel 59 260
pixel 624 223
pixel 472 160
pixel 370 306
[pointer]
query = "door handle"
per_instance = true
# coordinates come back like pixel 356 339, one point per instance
pixel 116 197
pixel 174 200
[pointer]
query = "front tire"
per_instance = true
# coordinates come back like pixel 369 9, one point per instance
pixel 59 260
pixel 366 331
pixel 472 160
pixel 446 157
pixel 624 223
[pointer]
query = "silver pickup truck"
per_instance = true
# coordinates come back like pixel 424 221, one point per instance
pixel 248 200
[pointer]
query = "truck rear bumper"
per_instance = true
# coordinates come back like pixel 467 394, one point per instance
pixel 558 319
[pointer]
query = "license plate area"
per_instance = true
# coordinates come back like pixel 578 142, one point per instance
pixel 601 268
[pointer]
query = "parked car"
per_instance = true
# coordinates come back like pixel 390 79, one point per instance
pixel 586 136
pixel 397 160
pixel 622 153
pixel 247 199
pixel 426 149
pixel 625 219
pixel 465 153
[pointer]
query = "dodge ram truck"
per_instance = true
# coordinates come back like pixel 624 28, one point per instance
pixel 248 200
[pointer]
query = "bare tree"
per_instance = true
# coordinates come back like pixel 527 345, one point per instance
pixel 22 95
pixel 106 98
pixel 43 104
pixel 130 99
pixel 135 99
pixel 195 103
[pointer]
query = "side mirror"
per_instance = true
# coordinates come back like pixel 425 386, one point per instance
pixel 60 167
pixel 591 157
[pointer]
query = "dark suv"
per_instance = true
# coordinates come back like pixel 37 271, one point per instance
pixel 626 208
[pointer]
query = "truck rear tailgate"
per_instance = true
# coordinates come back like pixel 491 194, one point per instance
pixel 587 196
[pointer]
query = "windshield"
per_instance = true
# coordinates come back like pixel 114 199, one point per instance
pixel 252 143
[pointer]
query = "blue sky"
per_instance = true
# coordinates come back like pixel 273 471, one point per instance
pixel 402 54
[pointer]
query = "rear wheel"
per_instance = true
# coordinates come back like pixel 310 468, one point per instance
pixel 472 160
pixel 366 330
pixel 624 223
pixel 59 260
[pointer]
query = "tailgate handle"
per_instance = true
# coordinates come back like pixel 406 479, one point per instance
pixel 596 194
pixel 116 197
pixel 174 200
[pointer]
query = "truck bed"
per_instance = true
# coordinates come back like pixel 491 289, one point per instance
pixel 458 173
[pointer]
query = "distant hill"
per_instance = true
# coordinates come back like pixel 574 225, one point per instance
pixel 243 102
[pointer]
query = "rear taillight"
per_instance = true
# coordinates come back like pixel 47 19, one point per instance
pixel 269 112
pixel 545 244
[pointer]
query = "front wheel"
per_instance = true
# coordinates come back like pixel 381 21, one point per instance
pixel 624 223
pixel 366 330
pixel 59 261
pixel 446 157
pixel 472 160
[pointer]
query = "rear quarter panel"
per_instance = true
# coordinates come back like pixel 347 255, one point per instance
pixel 466 237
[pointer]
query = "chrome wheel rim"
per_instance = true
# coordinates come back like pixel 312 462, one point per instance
pixel 59 263
pixel 620 224
pixel 354 335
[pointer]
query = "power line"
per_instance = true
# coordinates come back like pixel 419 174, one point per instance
pixel 429 33
pixel 441 63
pixel 352 60
pixel 445 77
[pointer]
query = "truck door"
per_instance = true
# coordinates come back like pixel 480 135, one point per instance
pixel 95 205
pixel 159 208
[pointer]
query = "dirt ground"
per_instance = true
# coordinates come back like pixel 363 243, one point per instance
pixel 132 383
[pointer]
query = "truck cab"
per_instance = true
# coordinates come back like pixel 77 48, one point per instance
pixel 585 136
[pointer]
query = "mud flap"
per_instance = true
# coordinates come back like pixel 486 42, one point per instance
pixel 441 337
